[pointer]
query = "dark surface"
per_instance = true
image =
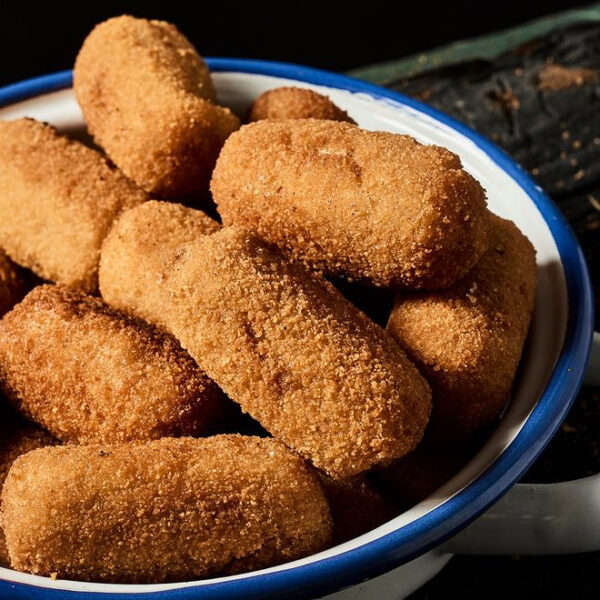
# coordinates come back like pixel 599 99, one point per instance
pixel 555 134
pixel 516 578
pixel 41 37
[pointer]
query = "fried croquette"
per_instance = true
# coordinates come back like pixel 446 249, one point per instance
pixel 372 206
pixel 140 242
pixel 468 340
pixel 88 373
pixel 355 507
pixel 12 284
pixel 419 474
pixel 295 103
pixel 58 199
pixel 16 437
pixel 148 100
pixel 299 358
pixel 167 510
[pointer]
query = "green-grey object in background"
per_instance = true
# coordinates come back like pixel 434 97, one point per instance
pixel 484 47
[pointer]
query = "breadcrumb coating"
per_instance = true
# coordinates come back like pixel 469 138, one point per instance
pixel 167 510
pixel 148 100
pixel 17 437
pixel 299 358
pixel 355 508
pixel 58 199
pixel 132 263
pixel 88 373
pixel 372 206
pixel 12 284
pixel 295 103
pixel 468 340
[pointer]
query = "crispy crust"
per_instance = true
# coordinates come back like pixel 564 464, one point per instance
pixel 88 373
pixel 295 103
pixel 372 206
pixel 468 340
pixel 304 362
pixel 148 100
pixel 12 284
pixel 58 200
pixel 133 256
pixel 17 437
pixel 168 510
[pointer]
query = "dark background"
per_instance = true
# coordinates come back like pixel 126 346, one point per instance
pixel 38 38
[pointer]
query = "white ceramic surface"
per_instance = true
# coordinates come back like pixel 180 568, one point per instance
pixel 505 198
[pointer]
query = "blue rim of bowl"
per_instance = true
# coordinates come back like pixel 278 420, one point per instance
pixel 398 547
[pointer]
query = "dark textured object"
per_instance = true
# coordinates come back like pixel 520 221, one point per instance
pixel 554 133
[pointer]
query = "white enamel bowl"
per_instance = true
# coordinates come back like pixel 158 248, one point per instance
pixel 396 558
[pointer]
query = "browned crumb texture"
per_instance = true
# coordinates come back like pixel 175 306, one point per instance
pixel 148 100
pixel 88 373
pixel 373 206
pixel 355 507
pixel 555 78
pixel 297 356
pixel 468 340
pixel 295 103
pixel 58 199
pixel 12 284
pixel 132 263
pixel 167 510
pixel 16 437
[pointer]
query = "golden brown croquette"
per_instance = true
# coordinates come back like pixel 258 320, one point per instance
pixel 88 373
pixel 372 206
pixel 295 103
pixel 467 340
pixel 12 284
pixel 419 474
pixel 167 510
pixel 58 200
pixel 356 507
pixel 17 437
pixel 132 261
pixel 148 100
pixel 299 358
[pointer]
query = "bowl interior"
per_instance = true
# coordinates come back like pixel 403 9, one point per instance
pixel 505 197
